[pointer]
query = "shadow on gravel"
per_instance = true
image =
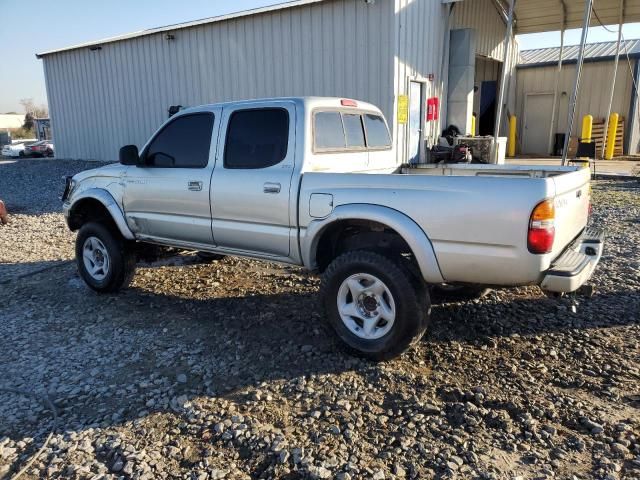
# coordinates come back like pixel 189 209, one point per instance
pixel 478 323
pixel 129 355
pixel 12 272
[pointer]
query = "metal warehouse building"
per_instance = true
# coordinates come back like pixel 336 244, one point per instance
pixel 106 94
pixel 536 83
pixel 397 54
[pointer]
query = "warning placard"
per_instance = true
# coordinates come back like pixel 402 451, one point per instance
pixel 403 108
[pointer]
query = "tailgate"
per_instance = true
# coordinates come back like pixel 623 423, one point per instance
pixel 572 197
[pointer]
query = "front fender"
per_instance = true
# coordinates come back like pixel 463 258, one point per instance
pixel 409 230
pixel 106 199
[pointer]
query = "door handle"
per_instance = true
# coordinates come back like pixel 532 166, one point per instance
pixel 271 187
pixel 195 186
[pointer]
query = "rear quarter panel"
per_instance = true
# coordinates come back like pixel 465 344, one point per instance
pixel 477 225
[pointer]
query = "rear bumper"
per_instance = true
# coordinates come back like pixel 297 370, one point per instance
pixel 575 266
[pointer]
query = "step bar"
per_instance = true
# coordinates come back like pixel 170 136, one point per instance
pixel 575 266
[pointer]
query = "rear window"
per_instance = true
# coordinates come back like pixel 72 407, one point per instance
pixel 377 132
pixel 353 130
pixel 344 131
pixel 328 130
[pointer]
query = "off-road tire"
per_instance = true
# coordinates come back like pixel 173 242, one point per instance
pixel 411 301
pixel 122 258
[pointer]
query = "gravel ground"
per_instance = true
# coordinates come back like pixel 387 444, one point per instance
pixel 224 370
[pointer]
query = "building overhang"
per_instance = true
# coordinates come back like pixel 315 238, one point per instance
pixel 536 16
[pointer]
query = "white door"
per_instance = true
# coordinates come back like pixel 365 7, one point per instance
pixel 251 182
pixel 416 121
pixel 537 120
pixel 166 197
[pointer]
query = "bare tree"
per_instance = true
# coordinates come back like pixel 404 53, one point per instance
pixel 32 112
pixel 30 107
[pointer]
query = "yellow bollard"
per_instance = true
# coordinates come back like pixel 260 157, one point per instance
pixel 473 125
pixel 511 151
pixel 587 128
pixel 611 136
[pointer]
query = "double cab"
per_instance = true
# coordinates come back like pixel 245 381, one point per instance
pixel 314 182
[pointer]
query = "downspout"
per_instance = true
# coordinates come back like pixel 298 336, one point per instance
pixel 633 112
pixel 588 4
pixel 553 127
pixel 444 78
pixel 613 80
pixel 503 82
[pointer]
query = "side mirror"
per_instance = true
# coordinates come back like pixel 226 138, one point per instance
pixel 129 155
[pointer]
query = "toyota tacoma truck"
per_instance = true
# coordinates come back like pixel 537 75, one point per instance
pixel 314 182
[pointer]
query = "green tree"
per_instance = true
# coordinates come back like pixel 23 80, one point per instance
pixel 28 122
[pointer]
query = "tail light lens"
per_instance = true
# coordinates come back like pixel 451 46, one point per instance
pixel 542 228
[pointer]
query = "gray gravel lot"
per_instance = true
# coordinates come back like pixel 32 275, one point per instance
pixel 224 370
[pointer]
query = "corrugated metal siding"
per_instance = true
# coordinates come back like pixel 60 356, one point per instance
pixel 592 51
pixel 103 99
pixel 420 27
pixel 594 91
pixel 483 16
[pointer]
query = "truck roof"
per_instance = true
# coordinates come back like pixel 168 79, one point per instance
pixel 308 103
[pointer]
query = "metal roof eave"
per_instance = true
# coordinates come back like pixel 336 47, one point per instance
pixel 179 26
pixel 536 16
pixel 573 61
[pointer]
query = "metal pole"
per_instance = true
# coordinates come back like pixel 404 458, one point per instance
pixel 613 81
pixel 552 127
pixel 505 72
pixel 588 4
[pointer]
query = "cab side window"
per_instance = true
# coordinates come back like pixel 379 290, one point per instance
pixel 256 138
pixel 183 143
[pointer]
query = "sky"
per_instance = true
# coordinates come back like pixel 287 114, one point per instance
pixel 62 23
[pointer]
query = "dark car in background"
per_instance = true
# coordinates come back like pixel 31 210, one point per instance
pixel 43 148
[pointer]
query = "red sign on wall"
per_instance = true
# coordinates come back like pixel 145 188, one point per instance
pixel 432 108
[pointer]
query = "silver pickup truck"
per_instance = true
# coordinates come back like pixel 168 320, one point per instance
pixel 314 182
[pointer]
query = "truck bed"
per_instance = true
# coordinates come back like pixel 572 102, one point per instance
pixel 476 216
pixel 481 170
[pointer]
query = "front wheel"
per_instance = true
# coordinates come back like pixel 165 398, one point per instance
pixel 373 305
pixel 105 262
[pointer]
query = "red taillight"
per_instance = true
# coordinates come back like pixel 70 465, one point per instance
pixel 541 240
pixel 345 102
pixel 542 228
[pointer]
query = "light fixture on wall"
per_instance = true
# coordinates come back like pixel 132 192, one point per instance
pixel 169 36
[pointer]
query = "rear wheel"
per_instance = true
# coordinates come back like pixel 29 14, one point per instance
pixel 373 305
pixel 105 261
